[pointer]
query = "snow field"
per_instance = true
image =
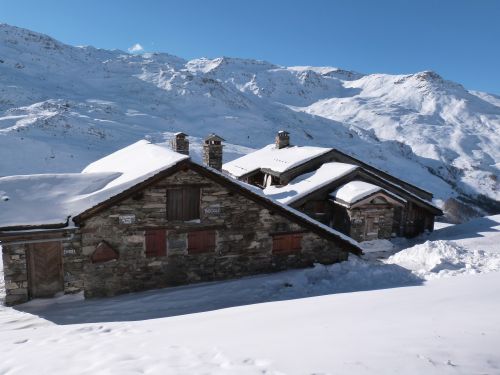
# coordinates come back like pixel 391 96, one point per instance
pixel 400 315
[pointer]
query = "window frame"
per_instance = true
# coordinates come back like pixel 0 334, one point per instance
pixel 180 210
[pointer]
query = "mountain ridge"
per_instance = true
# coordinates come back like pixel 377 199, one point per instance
pixel 62 107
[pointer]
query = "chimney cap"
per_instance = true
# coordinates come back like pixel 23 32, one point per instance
pixel 283 132
pixel 214 137
pixel 180 134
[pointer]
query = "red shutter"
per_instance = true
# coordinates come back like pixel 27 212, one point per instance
pixel 156 243
pixel 296 242
pixel 201 241
pixel 287 243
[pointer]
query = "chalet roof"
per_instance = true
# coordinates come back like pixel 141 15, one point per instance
pixel 178 134
pixel 356 190
pixel 270 157
pixel 309 182
pixel 50 199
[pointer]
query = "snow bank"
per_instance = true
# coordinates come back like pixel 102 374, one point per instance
pixel 436 259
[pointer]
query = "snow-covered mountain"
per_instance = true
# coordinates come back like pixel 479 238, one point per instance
pixel 62 107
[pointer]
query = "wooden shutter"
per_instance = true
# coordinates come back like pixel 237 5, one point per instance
pixel 191 203
pixel 183 204
pixel 156 242
pixel 201 241
pixel 174 204
pixel 296 242
pixel 287 243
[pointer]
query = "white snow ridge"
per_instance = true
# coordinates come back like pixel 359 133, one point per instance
pixel 435 259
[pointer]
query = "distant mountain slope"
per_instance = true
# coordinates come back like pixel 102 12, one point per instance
pixel 62 107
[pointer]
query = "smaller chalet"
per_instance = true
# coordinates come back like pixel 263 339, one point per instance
pixel 338 190
pixel 150 217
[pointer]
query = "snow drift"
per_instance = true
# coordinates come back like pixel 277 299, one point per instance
pixel 435 259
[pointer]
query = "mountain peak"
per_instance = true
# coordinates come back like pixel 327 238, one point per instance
pixel 70 105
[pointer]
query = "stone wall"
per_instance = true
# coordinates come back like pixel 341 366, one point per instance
pixel 15 274
pixel 244 240
pixel 15 266
pixel 383 216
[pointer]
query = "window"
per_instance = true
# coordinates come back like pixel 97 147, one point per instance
pixel 156 243
pixel 202 241
pixel 287 243
pixel 183 204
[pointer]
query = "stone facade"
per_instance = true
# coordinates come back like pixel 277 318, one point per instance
pixel 243 240
pixel 363 222
pixel 15 264
pixel 244 232
pixel 371 222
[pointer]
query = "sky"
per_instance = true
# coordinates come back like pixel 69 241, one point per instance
pixel 458 39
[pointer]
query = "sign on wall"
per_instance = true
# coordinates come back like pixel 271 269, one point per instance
pixel 212 210
pixel 126 219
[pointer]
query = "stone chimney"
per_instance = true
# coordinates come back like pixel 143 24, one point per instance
pixel 212 151
pixel 282 139
pixel 180 143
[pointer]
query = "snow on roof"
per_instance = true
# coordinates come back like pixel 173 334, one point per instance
pixel 354 191
pixel 307 183
pixel 135 161
pixel 278 160
pixel 52 198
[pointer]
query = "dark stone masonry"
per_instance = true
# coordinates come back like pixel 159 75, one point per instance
pixel 233 236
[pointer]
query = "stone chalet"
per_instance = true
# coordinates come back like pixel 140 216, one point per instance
pixel 148 217
pixel 338 190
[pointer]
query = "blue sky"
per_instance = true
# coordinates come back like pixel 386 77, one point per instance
pixel 458 39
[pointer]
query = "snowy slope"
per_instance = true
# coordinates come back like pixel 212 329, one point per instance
pixel 430 309
pixel 62 107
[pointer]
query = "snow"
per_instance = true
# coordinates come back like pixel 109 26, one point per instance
pixel 72 105
pixel 376 246
pixel 354 191
pixel 135 161
pixel 309 182
pixel 270 157
pixel 53 198
pixel 284 206
pixel 363 316
pixel 435 259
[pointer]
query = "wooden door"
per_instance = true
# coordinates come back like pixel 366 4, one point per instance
pixel 45 276
pixel 371 228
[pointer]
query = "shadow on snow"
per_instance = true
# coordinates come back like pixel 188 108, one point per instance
pixel 352 276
